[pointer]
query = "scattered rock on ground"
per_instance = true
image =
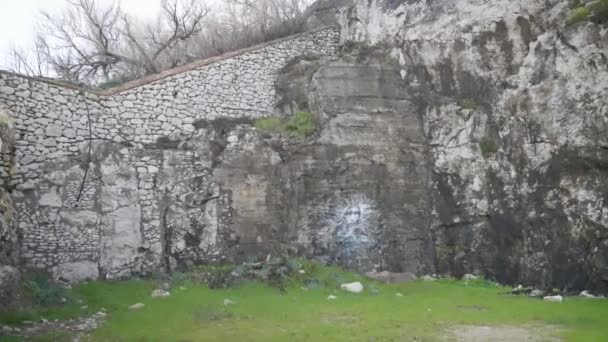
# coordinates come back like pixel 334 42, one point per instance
pixel 537 293
pixel 557 298
pixel 331 297
pixel 228 302
pixel 354 287
pixel 520 290
pixel 159 293
pixel 586 294
pixel 428 278
pixel 399 294
pixel 137 306
pixel 77 327
pixel 468 277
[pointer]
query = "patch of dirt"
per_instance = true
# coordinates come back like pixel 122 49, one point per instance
pixel 502 333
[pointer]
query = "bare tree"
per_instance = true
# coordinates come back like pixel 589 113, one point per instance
pixel 265 16
pixel 87 42
pixel 242 23
pixel 30 62
pixel 91 43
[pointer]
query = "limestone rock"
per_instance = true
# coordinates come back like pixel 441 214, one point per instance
pixel 137 306
pixel 53 130
pixel 75 272
pixel 537 293
pixel 557 298
pixel 469 277
pixel 160 293
pixel 586 294
pixel 354 287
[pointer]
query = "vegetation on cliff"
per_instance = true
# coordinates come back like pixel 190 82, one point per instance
pixel 595 11
pixel 301 124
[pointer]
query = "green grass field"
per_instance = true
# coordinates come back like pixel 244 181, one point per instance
pixel 423 312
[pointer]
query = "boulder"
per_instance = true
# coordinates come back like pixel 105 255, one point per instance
pixel 428 278
pixel 468 277
pixel 586 294
pixel 137 306
pixel 354 287
pixel 159 293
pixel 78 271
pixel 537 293
pixel 557 298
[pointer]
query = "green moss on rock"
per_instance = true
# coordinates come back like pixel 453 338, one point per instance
pixel 301 124
pixel 488 147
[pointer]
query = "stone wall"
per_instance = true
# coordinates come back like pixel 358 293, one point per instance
pixel 97 176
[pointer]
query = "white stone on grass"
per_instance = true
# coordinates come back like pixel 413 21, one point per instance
pixel 537 293
pixel 354 287
pixel 331 297
pixel 137 306
pixel 159 293
pixel 468 277
pixel 586 294
pixel 557 298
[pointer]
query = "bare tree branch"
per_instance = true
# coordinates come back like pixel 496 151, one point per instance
pixel 91 43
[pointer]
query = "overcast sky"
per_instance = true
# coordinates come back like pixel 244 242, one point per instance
pixel 18 18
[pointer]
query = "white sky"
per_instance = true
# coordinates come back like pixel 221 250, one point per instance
pixel 18 18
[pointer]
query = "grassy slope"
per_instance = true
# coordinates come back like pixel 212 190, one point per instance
pixel 262 313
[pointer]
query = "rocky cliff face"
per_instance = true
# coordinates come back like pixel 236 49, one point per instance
pixel 10 280
pixel 452 136
pixel 515 118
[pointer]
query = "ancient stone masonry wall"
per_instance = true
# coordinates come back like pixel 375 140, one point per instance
pixel 124 146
